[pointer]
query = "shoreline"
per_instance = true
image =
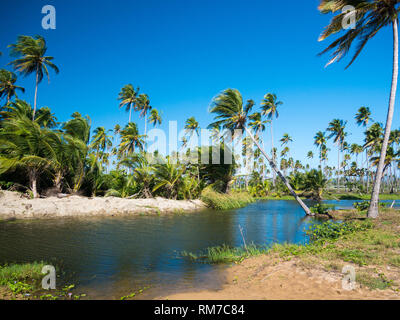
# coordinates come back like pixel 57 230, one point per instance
pixel 316 271
pixel 271 278
pixel 14 206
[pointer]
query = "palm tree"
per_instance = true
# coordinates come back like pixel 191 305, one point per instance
pixel 356 149
pixel 8 88
pixel 45 118
pixel 231 114
pixel 371 16
pixel 337 127
pixel 101 140
pixel 155 117
pixel 269 106
pixel 130 139
pixel 286 139
pixel 144 107
pixel 31 58
pixel 310 155
pixel 191 125
pixel 24 144
pixel 363 116
pixel 320 142
pixel 168 176
pixel 128 98
pixel 258 124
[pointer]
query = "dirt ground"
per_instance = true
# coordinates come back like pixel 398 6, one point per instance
pixel 261 278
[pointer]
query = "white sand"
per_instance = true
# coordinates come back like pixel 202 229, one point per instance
pixel 14 206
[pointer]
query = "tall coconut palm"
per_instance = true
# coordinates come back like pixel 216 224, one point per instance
pixel 128 97
pixel 337 127
pixel 231 114
pixel 192 126
pixel 310 155
pixel 130 139
pixel 363 116
pixel 320 142
pixel 8 89
pixel 144 107
pixel 258 124
pixel 269 106
pixel 286 139
pixel 101 140
pixel 31 58
pixel 155 117
pixel 371 16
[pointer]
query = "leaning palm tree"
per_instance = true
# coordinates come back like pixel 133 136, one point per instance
pixel 128 98
pixel 231 114
pixel 8 89
pixel 31 58
pixel 269 106
pixel 371 16
pixel 25 145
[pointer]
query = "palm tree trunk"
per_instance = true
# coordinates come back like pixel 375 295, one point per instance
pixel 338 167
pixel 33 176
pixel 275 169
pixel 145 132
pixel 373 210
pixel 366 155
pixel 130 114
pixel 272 154
pixel 36 92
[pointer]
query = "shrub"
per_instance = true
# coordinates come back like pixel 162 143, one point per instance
pixel 322 208
pixel 332 230
pixel 364 205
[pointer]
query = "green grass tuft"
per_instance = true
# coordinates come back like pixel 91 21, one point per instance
pixel 220 201
pixel 21 272
pixel 226 254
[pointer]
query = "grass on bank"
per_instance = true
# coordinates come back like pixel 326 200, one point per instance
pixel 336 196
pixel 226 254
pixel 21 278
pixel 371 246
pixel 21 272
pixel 219 201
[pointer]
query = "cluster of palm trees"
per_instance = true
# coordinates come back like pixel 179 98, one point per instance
pixel 40 155
pixel 65 156
pixel 370 16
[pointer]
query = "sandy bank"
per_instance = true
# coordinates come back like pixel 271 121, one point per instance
pixel 14 206
pixel 263 278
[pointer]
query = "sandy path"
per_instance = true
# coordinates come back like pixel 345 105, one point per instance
pixel 260 279
pixel 14 206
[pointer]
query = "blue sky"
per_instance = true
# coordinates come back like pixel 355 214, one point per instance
pixel 183 52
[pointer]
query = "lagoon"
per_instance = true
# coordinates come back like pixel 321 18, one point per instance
pixel 110 257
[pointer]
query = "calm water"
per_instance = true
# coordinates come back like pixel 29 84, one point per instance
pixel 112 257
